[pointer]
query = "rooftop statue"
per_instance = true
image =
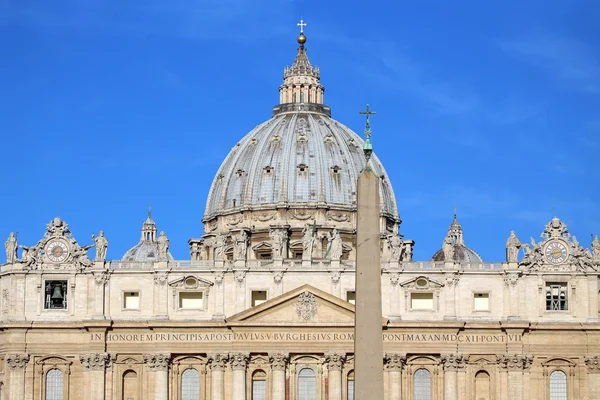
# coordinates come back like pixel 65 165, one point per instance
pixel 11 245
pixel 163 247
pixel 101 245
pixel 513 244
pixel 596 249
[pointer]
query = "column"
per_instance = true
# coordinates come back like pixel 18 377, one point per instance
pixel 510 280
pixel 593 366
pixel 450 362
pixel 239 362
pixel 162 293
pixel 451 281
pixel 334 367
pixel 94 365
pixel 515 364
pixel 217 367
pixel 158 364
pixel 100 278
pixel 278 363
pixel 16 364
pixel 394 363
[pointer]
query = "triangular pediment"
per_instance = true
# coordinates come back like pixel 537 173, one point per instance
pixel 305 305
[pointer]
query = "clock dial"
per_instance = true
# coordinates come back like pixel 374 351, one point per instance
pixel 556 252
pixel 57 251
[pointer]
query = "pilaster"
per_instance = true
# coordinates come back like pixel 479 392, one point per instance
pixel 335 362
pixel 16 365
pixel 395 363
pixel 278 363
pixel 159 365
pixel 452 364
pixel 593 368
pixel 515 365
pixel 94 365
pixel 217 364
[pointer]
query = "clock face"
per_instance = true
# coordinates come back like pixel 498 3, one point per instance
pixel 556 252
pixel 57 251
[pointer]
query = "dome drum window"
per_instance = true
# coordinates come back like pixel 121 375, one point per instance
pixel 240 173
pixel 268 170
pixel 302 168
pixel 336 170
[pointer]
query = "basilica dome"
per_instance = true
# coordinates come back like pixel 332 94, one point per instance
pixel 301 157
pixel 147 248
pixel 454 244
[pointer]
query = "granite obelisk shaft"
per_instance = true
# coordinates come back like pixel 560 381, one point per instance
pixel 368 343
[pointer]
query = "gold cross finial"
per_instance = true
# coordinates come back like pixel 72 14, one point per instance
pixel 301 24
pixel 368 147
pixel 367 113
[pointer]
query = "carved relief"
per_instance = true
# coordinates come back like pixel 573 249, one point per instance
pixel 395 362
pixel 278 277
pixel 453 362
pixel 240 276
pixel 217 362
pixel 5 301
pixel 452 279
pixel 306 307
pixel 17 361
pixel 394 278
pixel 335 277
pixel 219 278
pixel 101 278
pixel 239 361
pixel 510 280
pixel 264 217
pixel 515 361
pixel 236 219
pixel 278 361
pixel 301 215
pixel 335 361
pixel 94 361
pixel 592 363
pixel 338 216
pixel 160 278
pixel 157 362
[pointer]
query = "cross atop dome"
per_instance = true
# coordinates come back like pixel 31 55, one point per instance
pixel 301 24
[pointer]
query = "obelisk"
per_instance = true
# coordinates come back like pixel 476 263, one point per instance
pixel 368 343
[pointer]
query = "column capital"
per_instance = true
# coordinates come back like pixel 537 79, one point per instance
pixel 514 362
pixel 101 277
pixel 593 364
pixel 239 361
pixel 395 362
pixel 157 362
pixel 218 361
pixel 94 361
pixel 278 361
pixel 17 361
pixel 454 362
pixel 335 361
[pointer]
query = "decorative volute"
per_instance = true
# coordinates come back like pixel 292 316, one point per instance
pixel 301 81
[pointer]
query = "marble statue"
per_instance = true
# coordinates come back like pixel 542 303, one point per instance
pixel 596 248
pixel 241 246
pixel 308 241
pixel 279 237
pixel 163 247
pixel 513 244
pixel 448 248
pixel 220 242
pixel 582 258
pixel 101 245
pixel 395 243
pixel 336 247
pixel 195 252
pixel 11 245
pixel 29 256
pixel 407 253
pixel 81 258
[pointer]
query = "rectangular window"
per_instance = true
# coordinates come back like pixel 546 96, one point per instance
pixel 351 297
pixel 556 297
pixel 481 302
pixel 191 300
pixel 258 297
pixel 131 300
pixel 421 301
pixel 55 295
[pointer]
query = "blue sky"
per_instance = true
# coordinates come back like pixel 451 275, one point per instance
pixel 491 107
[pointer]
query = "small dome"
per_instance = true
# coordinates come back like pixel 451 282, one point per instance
pixel 460 252
pixel 147 248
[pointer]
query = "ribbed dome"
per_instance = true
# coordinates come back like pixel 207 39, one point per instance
pixel 297 157
pixel 147 248
pixel 460 252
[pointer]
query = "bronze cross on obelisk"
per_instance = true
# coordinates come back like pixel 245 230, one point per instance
pixel 368 147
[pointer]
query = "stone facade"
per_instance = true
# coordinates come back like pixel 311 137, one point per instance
pixel 262 310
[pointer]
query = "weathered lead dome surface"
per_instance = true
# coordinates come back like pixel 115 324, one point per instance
pixel 147 248
pixel 301 157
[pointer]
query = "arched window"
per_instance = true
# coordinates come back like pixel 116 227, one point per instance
pixel 259 385
pixel 422 385
pixel 130 386
pixel 54 384
pixel 190 384
pixel 558 386
pixel 351 385
pixel 307 384
pixel 482 385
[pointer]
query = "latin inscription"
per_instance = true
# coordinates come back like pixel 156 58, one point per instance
pixel 300 337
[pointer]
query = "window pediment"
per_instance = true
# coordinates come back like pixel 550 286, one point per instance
pixel 190 282
pixel 421 283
